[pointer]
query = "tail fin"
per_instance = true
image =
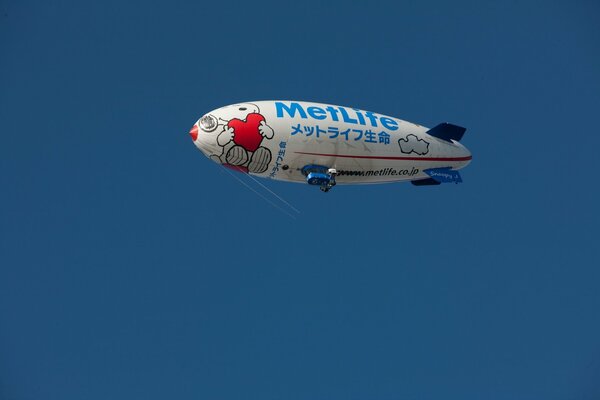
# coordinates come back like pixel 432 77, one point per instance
pixel 447 132
pixel 444 175
pixel 425 182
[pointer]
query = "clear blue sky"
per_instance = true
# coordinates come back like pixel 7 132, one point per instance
pixel 132 267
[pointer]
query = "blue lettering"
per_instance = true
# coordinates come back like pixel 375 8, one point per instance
pixel 291 110
pixel 316 112
pixel 372 118
pixel 346 117
pixel 333 112
pixel 361 119
pixel 389 123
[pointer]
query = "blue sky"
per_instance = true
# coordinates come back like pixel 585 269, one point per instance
pixel 132 267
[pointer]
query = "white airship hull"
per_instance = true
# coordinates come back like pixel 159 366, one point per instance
pixel 278 139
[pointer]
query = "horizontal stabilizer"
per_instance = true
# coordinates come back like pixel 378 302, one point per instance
pixel 444 175
pixel 447 132
pixel 425 182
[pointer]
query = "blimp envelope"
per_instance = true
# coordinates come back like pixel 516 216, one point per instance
pixel 292 140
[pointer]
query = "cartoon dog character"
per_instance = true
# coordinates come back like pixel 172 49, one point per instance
pixel 241 138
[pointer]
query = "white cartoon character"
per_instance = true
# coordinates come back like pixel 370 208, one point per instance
pixel 242 133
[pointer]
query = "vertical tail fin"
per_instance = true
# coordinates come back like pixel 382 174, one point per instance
pixel 447 132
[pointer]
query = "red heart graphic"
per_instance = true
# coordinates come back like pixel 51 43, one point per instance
pixel 237 168
pixel 245 133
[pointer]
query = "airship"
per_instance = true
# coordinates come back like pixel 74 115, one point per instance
pixel 324 145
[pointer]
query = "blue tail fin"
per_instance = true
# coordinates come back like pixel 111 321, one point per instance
pixel 425 182
pixel 447 132
pixel 444 175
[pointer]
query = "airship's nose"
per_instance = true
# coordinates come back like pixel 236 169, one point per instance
pixel 194 132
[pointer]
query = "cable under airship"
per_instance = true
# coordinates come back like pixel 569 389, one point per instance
pixel 325 145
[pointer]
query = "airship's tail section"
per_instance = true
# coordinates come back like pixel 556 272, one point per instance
pixel 447 132
pixel 439 175
pixel 444 175
pixel 425 182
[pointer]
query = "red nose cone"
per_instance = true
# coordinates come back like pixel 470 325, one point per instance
pixel 194 132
